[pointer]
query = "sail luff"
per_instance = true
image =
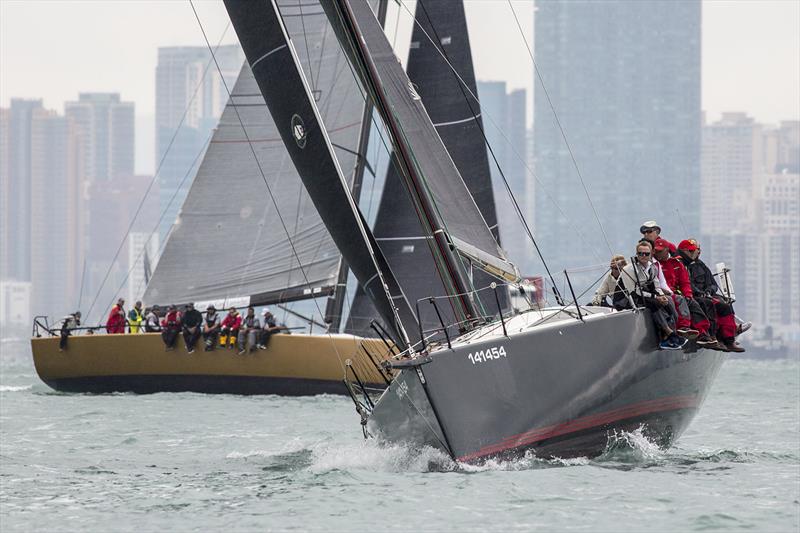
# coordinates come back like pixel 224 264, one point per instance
pixel 271 56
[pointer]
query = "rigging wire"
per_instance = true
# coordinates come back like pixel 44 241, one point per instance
pixel 269 189
pixel 156 174
pixel 508 141
pixel 160 220
pixel 560 127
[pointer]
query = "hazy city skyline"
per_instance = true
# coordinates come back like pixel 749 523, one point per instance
pixel 113 48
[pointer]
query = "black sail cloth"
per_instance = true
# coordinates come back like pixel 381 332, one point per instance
pixel 440 32
pixel 268 52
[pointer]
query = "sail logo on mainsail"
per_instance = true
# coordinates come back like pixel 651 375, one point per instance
pixel 299 131
pixel 413 91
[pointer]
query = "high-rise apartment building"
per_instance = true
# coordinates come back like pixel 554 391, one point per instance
pixel 732 155
pixel 751 216
pixel 624 80
pixel 107 126
pixel 15 233
pixel 504 115
pixel 56 213
pixel 190 96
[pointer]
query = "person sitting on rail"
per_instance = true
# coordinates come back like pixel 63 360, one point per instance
pixel 69 323
pixel 116 318
pixel 192 320
pixel 691 321
pixel 609 286
pixel 230 327
pixel 651 231
pixel 135 318
pixel 641 281
pixel 171 327
pixel 269 328
pixel 151 321
pixel 249 329
pixel 708 295
pixel 211 327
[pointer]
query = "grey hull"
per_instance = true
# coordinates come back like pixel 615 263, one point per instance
pixel 559 390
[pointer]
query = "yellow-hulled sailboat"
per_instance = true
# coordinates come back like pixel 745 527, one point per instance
pixel 247 235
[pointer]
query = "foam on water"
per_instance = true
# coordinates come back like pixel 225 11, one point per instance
pixel 15 388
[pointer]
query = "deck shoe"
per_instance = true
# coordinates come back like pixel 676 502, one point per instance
pixel 688 333
pixel 666 344
pixel 677 341
pixel 242 352
pixel 718 346
pixel 734 346
pixel 705 339
pixel 744 326
pixel 190 351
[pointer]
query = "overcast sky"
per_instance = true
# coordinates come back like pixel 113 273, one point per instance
pixel 55 49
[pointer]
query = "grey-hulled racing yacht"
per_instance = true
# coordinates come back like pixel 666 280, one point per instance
pixel 558 381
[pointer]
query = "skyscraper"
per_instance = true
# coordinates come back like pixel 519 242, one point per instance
pixel 190 96
pixel 107 126
pixel 57 209
pixel 15 233
pixel 624 79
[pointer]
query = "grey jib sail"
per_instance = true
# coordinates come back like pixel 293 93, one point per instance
pixel 289 100
pixel 401 108
pixel 456 115
pixel 228 243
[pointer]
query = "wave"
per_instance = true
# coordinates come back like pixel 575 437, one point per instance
pixel 15 388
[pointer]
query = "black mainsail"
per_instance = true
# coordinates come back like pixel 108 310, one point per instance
pixel 439 37
pixel 271 56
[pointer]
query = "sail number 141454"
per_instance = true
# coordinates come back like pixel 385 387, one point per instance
pixel 489 354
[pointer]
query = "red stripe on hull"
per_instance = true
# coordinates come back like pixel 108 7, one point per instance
pixel 586 422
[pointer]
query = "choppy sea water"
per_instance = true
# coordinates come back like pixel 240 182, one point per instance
pixel 193 462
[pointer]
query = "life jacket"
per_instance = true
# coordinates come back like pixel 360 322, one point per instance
pixel 172 320
pixel 211 319
pixel 135 320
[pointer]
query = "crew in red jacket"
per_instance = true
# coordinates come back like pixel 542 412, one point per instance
pixel 230 326
pixel 677 277
pixel 116 318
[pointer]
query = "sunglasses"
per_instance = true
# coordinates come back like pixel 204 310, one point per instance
pixel 648 231
pixel 643 254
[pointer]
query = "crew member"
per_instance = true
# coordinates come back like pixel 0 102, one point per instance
pixel 651 231
pixel 135 318
pixel 116 318
pixel 230 327
pixel 70 322
pixel 171 327
pixel 249 329
pixel 211 327
pixel 641 280
pixel 192 319
pixel 707 293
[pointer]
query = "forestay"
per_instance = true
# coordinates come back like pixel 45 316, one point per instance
pixel 228 243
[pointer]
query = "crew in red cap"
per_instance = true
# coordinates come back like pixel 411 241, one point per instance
pixel 691 320
pixel 706 292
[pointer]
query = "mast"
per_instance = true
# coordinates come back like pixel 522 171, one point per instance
pixel 333 311
pixel 448 265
